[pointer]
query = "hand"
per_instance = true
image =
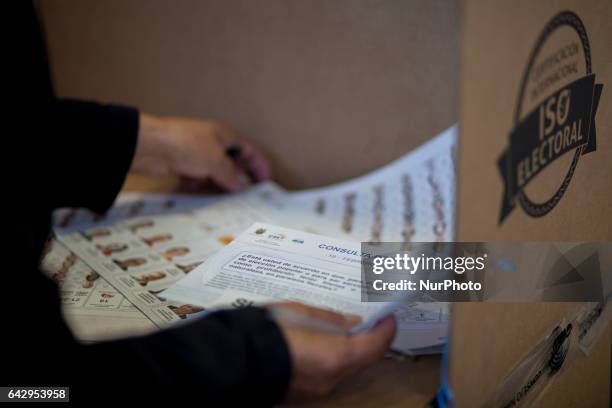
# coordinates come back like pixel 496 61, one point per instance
pixel 321 360
pixel 196 149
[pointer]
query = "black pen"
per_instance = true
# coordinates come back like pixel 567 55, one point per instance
pixel 235 153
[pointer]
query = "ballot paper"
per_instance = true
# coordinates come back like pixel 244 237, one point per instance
pixel 91 306
pixel 409 200
pixel 272 202
pixel 148 242
pixel 141 256
pixel 128 205
pixel 268 264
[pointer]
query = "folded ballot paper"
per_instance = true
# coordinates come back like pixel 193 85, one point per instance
pixel 268 264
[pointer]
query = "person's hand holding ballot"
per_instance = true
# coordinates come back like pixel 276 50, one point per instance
pixel 323 356
pixel 79 154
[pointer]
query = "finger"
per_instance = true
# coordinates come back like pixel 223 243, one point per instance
pixel 251 157
pixel 255 161
pixel 225 173
pixel 344 321
pixel 370 346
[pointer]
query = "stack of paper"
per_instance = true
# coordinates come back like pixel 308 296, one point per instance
pixel 268 264
pixel 148 243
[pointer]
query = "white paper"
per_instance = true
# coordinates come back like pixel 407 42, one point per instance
pixel 129 205
pixel 268 264
pixel 410 199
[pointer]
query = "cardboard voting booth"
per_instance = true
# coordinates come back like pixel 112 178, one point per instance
pixel 335 89
pixel 526 177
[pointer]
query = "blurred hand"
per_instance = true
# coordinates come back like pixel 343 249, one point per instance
pixel 321 360
pixel 196 149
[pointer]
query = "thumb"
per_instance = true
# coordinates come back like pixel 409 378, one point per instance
pixel 370 346
pixel 227 175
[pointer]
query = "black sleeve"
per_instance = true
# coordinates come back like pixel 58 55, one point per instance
pixel 74 153
pixel 224 359
pixel 89 150
pixel 231 356
pixel 62 153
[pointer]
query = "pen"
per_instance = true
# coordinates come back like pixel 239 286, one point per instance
pixel 235 153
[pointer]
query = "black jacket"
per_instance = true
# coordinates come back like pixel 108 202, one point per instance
pixel 70 153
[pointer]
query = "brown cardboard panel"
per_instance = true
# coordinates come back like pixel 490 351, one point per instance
pixel 488 340
pixel 330 89
pixel 389 384
pixel 498 38
pixel 590 376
